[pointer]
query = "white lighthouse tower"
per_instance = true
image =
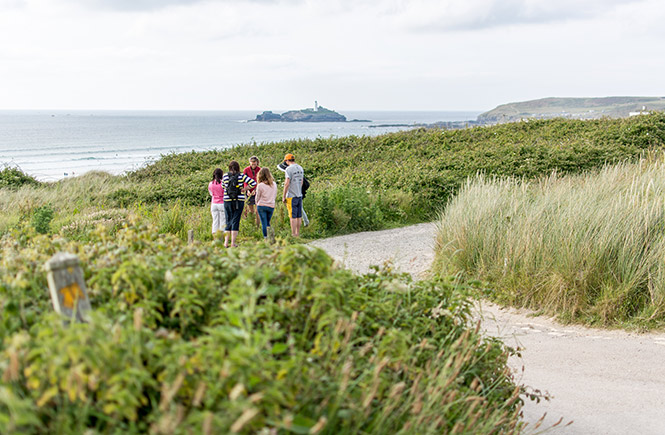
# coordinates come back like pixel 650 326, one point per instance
pixel 316 106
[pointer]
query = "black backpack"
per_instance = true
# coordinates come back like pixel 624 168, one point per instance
pixel 305 186
pixel 232 188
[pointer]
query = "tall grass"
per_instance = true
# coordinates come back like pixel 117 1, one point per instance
pixel 586 247
pixel 77 205
pixel 91 189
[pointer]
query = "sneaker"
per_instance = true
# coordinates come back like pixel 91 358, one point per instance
pixel 271 235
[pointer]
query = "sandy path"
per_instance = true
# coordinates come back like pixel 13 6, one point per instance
pixel 605 382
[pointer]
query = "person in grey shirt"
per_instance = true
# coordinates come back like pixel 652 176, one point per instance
pixel 305 220
pixel 292 195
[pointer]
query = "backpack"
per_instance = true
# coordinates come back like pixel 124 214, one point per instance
pixel 233 189
pixel 305 186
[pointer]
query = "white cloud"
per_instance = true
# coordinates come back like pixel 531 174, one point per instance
pixel 151 5
pixel 136 5
pixel 389 54
pixel 473 15
pixel 12 4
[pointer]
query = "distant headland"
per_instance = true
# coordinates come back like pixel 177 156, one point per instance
pixel 549 108
pixel 316 114
pixel 572 108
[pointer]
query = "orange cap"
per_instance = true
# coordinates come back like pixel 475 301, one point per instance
pixel 289 157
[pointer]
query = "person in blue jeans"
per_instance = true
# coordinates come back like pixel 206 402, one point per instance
pixel 234 200
pixel 266 192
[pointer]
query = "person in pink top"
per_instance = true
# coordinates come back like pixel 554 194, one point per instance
pixel 216 190
pixel 251 171
pixel 266 192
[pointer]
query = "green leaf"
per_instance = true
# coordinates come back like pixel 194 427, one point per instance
pixel 301 424
pixel 278 348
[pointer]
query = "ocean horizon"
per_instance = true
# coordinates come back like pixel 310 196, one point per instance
pixel 54 144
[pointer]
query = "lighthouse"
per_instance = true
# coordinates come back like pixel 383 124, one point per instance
pixel 316 106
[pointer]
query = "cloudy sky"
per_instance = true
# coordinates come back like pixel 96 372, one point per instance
pixel 347 54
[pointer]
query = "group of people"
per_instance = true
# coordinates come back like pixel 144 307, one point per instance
pixel 256 187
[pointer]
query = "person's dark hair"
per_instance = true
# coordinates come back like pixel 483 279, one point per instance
pixel 234 167
pixel 217 175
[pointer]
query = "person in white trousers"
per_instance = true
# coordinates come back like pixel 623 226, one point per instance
pixel 217 207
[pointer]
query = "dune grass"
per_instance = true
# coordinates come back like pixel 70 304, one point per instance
pixel 587 248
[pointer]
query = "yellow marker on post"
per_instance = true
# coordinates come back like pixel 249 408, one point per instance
pixel 67 287
pixel 70 295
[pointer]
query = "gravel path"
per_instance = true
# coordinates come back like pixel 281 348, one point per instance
pixel 604 382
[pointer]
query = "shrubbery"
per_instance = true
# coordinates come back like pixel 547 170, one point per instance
pixel 427 166
pixel 197 338
pixel 14 178
pixel 41 218
pixel 366 183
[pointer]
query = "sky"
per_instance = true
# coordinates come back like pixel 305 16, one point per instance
pixel 346 54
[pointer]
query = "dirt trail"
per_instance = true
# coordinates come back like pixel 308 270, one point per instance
pixel 605 382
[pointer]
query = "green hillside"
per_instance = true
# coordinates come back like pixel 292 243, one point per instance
pixel 576 108
pixel 358 183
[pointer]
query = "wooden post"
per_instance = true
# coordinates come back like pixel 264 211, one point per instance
pixel 67 287
pixel 190 236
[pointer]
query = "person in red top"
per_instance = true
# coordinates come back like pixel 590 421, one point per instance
pixel 252 171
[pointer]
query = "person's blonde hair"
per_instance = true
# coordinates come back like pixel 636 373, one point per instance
pixel 265 176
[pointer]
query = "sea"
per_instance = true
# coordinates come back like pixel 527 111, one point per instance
pixel 52 145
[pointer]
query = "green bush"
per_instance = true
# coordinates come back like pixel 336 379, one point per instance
pixel 15 178
pixel 172 220
pixel 345 210
pixel 197 338
pixel 124 197
pixel 364 183
pixel 79 225
pixel 409 174
pixel 41 219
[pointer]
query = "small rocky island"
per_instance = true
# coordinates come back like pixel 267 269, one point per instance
pixel 317 114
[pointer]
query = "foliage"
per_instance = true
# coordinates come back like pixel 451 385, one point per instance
pixel 346 209
pixel 358 183
pixel 198 338
pixel 172 220
pixel 587 247
pixel 41 219
pixel 426 165
pixel 13 178
pixel 80 225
